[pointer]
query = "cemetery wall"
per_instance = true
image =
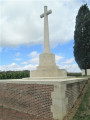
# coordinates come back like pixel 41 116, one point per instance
pixel 38 100
pixel 73 90
pixel 32 101
pixel 88 72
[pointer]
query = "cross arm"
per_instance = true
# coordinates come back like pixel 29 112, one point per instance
pixel 49 12
pixel 42 15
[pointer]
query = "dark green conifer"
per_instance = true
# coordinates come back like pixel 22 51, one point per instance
pixel 82 38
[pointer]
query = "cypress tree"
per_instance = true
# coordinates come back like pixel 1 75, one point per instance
pixel 82 38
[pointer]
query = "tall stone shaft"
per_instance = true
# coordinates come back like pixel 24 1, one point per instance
pixel 46 30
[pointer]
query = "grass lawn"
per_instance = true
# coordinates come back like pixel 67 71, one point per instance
pixel 83 112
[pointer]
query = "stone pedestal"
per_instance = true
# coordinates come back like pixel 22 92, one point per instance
pixel 47 60
pixel 47 67
pixel 48 73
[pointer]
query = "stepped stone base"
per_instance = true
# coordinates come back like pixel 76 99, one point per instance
pixel 48 73
pixel 47 67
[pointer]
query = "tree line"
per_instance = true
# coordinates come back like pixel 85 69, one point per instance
pixel 14 74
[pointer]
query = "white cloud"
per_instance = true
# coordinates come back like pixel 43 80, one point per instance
pixel 16 67
pixel 17 59
pixel 12 66
pixel 71 60
pixel 58 58
pixel 34 60
pixel 70 65
pixel 70 68
pixel 20 22
pixel 33 54
pixel 29 67
pixel 24 63
pixel 34 57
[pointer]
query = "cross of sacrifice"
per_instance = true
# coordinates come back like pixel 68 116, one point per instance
pixel 46 29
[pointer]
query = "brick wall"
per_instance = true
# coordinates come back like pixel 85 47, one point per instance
pixel 73 91
pixel 38 99
pixel 25 101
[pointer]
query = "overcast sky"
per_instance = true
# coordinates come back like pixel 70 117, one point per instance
pixel 21 32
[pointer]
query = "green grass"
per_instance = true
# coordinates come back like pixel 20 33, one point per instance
pixel 83 112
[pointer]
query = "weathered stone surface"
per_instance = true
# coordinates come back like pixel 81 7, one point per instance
pixel 46 30
pixel 47 60
pixel 47 66
pixel 51 72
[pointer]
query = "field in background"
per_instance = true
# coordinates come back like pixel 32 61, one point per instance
pixel 14 74
pixel 74 74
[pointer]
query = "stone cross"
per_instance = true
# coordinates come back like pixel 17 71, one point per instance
pixel 46 30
